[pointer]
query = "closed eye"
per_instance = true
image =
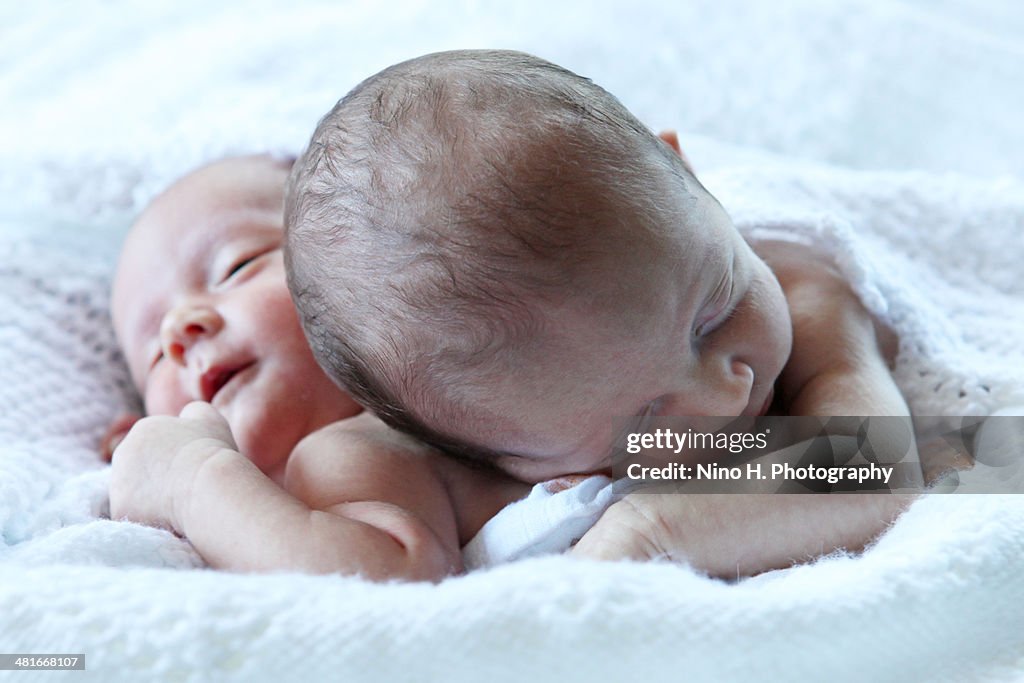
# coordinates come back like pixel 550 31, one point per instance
pixel 239 266
pixel 719 307
pixel 719 322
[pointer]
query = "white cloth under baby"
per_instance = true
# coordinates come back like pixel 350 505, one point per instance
pixel 549 520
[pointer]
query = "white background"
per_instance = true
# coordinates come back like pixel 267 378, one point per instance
pixel 876 84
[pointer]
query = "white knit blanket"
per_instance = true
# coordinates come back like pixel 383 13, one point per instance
pixel 96 121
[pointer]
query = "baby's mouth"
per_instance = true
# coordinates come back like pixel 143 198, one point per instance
pixel 219 376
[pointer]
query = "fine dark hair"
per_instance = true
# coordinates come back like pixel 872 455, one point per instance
pixel 443 207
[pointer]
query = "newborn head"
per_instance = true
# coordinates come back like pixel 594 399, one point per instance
pixel 202 311
pixel 490 252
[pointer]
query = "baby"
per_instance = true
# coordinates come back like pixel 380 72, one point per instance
pixel 492 254
pixel 269 466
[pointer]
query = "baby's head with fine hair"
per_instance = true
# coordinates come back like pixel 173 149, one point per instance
pixel 491 253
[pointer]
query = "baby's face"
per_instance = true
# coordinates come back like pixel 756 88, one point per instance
pixel 701 328
pixel 202 311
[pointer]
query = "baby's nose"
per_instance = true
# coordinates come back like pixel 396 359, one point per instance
pixel 724 391
pixel 729 394
pixel 183 325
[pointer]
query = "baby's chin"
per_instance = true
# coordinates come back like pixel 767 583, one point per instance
pixel 263 445
pixel 270 461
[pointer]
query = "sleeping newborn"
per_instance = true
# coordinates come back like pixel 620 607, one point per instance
pixel 493 255
pixel 268 465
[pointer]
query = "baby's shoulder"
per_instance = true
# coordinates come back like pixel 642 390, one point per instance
pixel 357 453
pixel 839 364
pixel 800 266
pixel 363 435
pixel 824 308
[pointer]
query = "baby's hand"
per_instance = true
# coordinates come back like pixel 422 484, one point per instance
pixel 154 465
pixel 728 536
pixel 631 529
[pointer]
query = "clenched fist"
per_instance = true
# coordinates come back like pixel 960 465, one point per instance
pixel 156 462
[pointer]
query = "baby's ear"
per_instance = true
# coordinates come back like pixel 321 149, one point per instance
pixel 116 433
pixel 671 138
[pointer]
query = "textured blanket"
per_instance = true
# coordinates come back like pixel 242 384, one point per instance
pixel 929 234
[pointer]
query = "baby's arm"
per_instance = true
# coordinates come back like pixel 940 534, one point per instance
pixel 838 367
pixel 734 535
pixel 354 504
pixel 840 360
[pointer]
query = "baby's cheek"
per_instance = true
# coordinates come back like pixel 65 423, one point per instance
pixel 274 303
pixel 776 327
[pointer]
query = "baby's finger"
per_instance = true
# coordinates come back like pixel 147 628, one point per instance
pixel 200 410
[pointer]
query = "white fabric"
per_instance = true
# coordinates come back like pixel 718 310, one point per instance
pixel 548 521
pixel 103 105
